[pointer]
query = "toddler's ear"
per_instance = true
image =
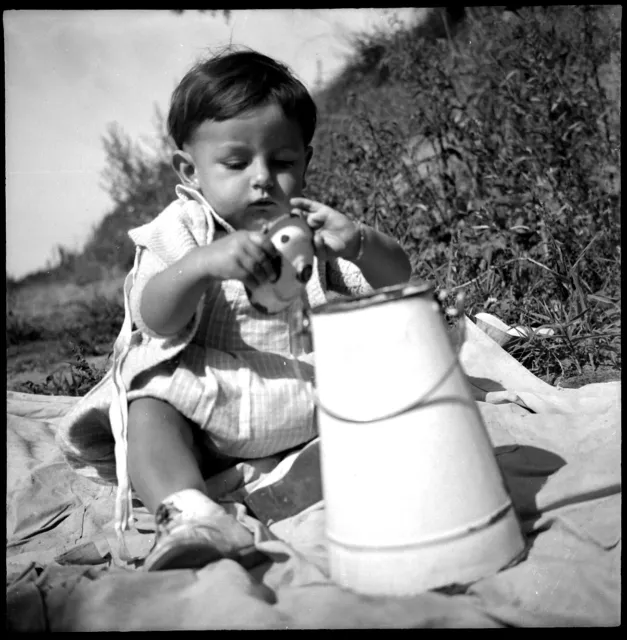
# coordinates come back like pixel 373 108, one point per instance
pixel 185 168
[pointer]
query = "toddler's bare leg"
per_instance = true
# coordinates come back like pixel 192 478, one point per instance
pixel 165 471
pixel 161 455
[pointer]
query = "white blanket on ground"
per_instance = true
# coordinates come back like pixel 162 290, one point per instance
pixel 559 450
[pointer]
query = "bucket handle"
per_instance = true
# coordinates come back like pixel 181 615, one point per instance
pixel 303 332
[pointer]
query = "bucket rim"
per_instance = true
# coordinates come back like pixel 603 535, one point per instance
pixel 378 296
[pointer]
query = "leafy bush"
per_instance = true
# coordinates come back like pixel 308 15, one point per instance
pixel 96 326
pixel 20 330
pixel 74 379
pixel 91 331
pixel 140 181
pixel 491 160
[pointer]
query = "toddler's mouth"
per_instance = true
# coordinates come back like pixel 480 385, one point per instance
pixel 264 212
pixel 263 203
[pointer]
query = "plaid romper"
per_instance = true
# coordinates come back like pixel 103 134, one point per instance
pixel 228 371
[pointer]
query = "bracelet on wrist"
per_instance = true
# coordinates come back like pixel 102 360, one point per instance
pixel 362 242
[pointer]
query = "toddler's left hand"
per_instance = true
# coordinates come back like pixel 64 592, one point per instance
pixel 335 236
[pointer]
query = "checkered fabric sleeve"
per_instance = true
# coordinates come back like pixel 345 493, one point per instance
pixel 149 265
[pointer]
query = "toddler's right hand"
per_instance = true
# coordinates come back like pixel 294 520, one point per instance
pixel 248 256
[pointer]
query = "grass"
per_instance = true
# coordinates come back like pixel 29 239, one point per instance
pixel 64 330
pixel 494 159
pixel 76 378
pixel 20 330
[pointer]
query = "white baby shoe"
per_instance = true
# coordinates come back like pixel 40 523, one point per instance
pixel 193 531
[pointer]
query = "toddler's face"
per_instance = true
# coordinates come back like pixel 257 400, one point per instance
pixel 248 167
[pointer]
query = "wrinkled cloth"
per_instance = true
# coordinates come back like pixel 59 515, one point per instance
pixel 559 450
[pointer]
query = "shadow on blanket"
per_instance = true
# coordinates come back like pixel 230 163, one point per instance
pixel 526 470
pixel 559 450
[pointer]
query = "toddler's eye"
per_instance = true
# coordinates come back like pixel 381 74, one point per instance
pixel 236 166
pixel 284 163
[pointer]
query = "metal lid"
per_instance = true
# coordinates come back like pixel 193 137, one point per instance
pixel 378 296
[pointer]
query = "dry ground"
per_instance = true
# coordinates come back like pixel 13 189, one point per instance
pixel 58 307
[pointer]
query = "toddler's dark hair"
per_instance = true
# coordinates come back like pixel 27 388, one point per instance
pixel 231 83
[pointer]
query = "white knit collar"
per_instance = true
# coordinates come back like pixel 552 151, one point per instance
pixel 187 193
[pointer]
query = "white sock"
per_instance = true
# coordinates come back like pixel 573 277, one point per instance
pixel 194 505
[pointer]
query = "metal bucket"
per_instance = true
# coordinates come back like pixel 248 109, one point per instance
pixel 413 494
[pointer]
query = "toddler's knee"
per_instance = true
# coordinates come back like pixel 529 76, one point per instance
pixel 148 416
pixel 143 412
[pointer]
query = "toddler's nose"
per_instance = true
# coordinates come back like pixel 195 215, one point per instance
pixel 262 179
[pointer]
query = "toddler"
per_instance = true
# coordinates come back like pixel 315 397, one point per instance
pixel 200 378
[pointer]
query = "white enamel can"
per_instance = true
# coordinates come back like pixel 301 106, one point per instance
pixel 414 497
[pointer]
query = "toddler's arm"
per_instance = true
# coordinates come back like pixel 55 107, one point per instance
pixel 170 297
pixel 379 257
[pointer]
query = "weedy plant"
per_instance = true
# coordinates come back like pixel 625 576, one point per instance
pixel 72 378
pixel 97 325
pixel 91 332
pixel 19 330
pixel 493 159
